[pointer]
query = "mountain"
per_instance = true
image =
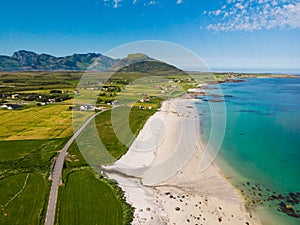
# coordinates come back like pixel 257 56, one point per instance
pixel 152 67
pixel 8 63
pixel 131 59
pixel 26 60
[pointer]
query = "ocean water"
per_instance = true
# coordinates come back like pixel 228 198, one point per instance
pixel 260 153
pixel 294 71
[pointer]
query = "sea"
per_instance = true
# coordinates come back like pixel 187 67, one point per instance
pixel 260 152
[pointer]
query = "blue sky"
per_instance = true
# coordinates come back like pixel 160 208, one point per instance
pixel 225 33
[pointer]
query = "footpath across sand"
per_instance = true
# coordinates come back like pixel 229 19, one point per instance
pixel 161 175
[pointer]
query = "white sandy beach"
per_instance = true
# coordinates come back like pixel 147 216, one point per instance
pixel 161 178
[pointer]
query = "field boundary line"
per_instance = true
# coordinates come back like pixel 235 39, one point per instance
pixel 17 194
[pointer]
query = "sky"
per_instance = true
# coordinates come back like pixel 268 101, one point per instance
pixel 224 33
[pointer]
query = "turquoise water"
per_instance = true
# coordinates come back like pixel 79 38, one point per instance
pixel 261 143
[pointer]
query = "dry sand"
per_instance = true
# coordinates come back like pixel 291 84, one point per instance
pixel 161 177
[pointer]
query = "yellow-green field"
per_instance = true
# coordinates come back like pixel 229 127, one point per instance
pixel 44 122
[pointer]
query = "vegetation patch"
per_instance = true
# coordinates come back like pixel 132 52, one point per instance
pixel 86 199
pixel 23 199
pixel 27 156
pixel 106 131
pixel 24 187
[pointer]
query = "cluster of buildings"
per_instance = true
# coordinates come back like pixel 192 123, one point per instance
pixel 11 106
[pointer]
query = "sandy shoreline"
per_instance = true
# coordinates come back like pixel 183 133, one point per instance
pixel 161 178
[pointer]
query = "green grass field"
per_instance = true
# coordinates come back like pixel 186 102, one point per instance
pixel 23 199
pixel 24 187
pixel 106 131
pixel 10 186
pixel 36 80
pixel 74 158
pixel 16 150
pixel 88 200
pixel 28 156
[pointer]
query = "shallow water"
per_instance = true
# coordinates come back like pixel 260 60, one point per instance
pixel 262 141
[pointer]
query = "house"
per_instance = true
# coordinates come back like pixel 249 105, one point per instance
pixel 82 108
pixel 14 106
pixel 51 100
pixel 86 107
pixel 89 107
pixel 145 100
pixel 4 106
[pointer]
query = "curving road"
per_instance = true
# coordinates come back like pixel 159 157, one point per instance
pixel 57 172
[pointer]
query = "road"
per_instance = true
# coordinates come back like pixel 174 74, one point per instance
pixel 57 172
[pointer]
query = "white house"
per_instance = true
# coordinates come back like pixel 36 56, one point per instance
pixel 4 106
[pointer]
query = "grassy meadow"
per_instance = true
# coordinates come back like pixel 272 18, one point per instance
pixel 38 80
pixel 95 203
pixel 24 187
pixel 26 156
pixel 24 198
pixel 106 131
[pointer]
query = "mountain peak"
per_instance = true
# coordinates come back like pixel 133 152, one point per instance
pixel 27 60
pixel 138 57
pixel 23 53
pixel 90 55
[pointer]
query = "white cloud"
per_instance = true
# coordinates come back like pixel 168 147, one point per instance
pixel 239 5
pixel 230 1
pixel 116 3
pixel 216 13
pixel 152 2
pixel 253 15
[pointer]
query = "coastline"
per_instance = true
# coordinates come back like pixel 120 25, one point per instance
pixel 163 181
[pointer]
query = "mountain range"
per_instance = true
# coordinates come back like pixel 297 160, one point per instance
pixel 29 61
